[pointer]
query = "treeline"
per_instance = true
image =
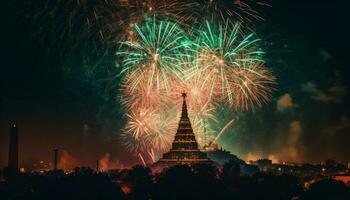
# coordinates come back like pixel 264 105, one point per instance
pixel 178 182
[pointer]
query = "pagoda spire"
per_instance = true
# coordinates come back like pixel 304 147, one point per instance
pixel 184 114
pixel 184 149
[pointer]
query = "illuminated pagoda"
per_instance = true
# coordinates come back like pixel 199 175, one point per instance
pixel 184 147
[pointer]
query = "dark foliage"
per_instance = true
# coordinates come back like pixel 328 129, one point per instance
pixel 327 190
pixel 177 182
pixel 83 183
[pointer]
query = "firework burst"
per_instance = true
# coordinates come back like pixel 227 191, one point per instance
pixel 253 86
pixel 137 93
pixel 162 136
pixel 155 51
pixel 147 130
pixel 232 66
pixel 141 123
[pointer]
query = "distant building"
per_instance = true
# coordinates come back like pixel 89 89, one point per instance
pixel 222 156
pixel 13 149
pixel 263 164
pixel 55 159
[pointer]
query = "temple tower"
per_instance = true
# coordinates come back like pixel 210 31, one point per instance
pixel 184 148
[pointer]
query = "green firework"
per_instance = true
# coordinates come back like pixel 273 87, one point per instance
pixel 223 52
pixel 154 48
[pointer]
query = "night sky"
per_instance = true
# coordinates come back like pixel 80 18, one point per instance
pixel 308 119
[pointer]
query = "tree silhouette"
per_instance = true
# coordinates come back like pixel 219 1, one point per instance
pixel 327 189
pixel 269 186
pixel 190 182
pixel 140 179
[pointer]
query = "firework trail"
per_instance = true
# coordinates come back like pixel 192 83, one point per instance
pixel 223 129
pixel 234 11
pixel 152 155
pixel 180 11
pixel 142 159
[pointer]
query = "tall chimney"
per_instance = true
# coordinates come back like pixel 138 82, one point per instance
pixel 13 149
pixel 55 154
pixel 97 166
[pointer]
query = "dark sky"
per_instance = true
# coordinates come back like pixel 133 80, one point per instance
pixel 307 120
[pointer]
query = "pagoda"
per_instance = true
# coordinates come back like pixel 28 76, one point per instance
pixel 184 148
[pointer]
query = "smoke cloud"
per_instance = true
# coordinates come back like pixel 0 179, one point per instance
pixel 67 161
pixel 284 102
pixel 106 164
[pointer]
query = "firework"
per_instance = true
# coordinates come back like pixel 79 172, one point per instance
pixel 162 136
pixel 242 11
pixel 223 130
pixel 155 51
pixel 136 93
pixel 142 159
pixel 131 144
pixel 232 66
pixel 253 86
pixel 148 129
pixel 152 155
pixel 141 122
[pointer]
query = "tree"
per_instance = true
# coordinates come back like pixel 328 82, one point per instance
pixel 140 179
pixel 327 189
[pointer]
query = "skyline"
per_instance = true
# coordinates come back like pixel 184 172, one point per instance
pixel 63 161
